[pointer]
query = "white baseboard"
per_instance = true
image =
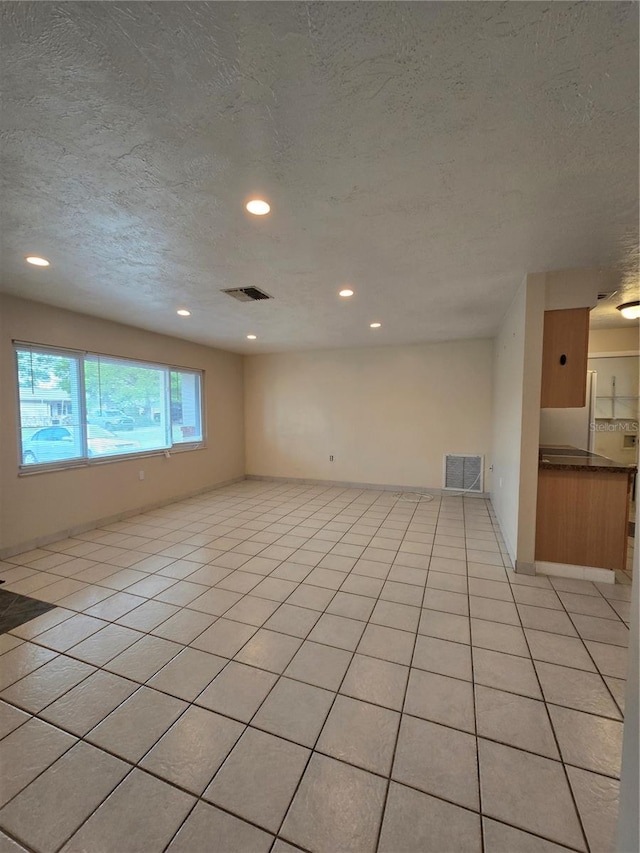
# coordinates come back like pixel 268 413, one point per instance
pixel 381 487
pixel 509 546
pixel 582 573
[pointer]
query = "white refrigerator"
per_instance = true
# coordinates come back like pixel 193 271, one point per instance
pixel 571 426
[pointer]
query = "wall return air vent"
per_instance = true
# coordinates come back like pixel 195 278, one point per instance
pixel 463 473
pixel 247 294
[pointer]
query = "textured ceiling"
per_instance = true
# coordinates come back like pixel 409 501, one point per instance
pixel 427 154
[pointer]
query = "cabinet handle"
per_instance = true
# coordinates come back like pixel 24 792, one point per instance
pixel 563 359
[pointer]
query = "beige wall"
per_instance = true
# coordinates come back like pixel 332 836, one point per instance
pixel 387 415
pixel 39 505
pixel 623 339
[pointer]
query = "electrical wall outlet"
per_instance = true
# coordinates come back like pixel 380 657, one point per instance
pixel 331 459
pixel 141 475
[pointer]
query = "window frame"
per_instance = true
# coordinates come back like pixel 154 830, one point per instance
pixel 85 460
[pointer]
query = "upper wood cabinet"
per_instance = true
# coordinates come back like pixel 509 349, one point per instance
pixel 564 359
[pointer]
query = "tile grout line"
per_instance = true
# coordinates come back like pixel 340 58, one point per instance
pixel 103 667
pixel 404 696
pixel 119 757
pixel 280 604
pixel 592 659
pixel 315 743
pixel 557 743
pixel 473 699
pixel 280 676
pixel 134 766
pixel 194 701
pixel 166 692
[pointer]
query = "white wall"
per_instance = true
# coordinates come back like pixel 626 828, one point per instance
pixel 530 443
pixel 37 506
pixel 508 370
pixel 386 414
pixel 517 372
pixel 628 839
pixel 560 427
pixel 575 288
pixel 625 339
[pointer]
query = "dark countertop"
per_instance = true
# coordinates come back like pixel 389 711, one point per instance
pixel 567 458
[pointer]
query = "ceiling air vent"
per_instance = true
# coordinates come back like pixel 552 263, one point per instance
pixel 247 294
pixel 463 473
pixel 608 295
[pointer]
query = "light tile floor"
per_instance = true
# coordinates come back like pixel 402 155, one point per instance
pixel 282 667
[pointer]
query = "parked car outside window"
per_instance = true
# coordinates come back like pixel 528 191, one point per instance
pixel 111 419
pixel 58 444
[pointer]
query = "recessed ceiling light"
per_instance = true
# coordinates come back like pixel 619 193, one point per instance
pixel 37 261
pixel 630 310
pixel 252 337
pixel 346 292
pixel 183 312
pixel 375 325
pixel 258 207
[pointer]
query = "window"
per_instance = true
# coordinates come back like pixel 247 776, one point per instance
pixel 186 419
pixel 49 388
pixel 124 398
pixel 75 407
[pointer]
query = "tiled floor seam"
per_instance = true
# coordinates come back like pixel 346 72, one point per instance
pixel 199 798
pixel 280 676
pixel 557 744
pixel 12 837
pixel 405 525
pixel 397 737
pixel 150 632
pixel 313 748
pixel 88 538
pixel 473 699
pixel 592 659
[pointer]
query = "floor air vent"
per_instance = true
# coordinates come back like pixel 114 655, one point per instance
pixel 463 473
pixel 247 294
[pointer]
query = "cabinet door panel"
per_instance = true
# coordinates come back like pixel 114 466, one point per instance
pixel 564 358
pixel 582 517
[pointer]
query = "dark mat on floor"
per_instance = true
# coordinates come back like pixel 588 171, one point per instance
pixel 17 609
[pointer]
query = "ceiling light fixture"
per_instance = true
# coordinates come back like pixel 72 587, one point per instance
pixel 374 325
pixel 183 312
pixel 630 310
pixel 252 337
pixel 346 292
pixel 258 207
pixel 37 261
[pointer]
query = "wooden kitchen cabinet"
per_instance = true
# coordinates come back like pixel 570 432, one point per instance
pixel 564 359
pixel 583 515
